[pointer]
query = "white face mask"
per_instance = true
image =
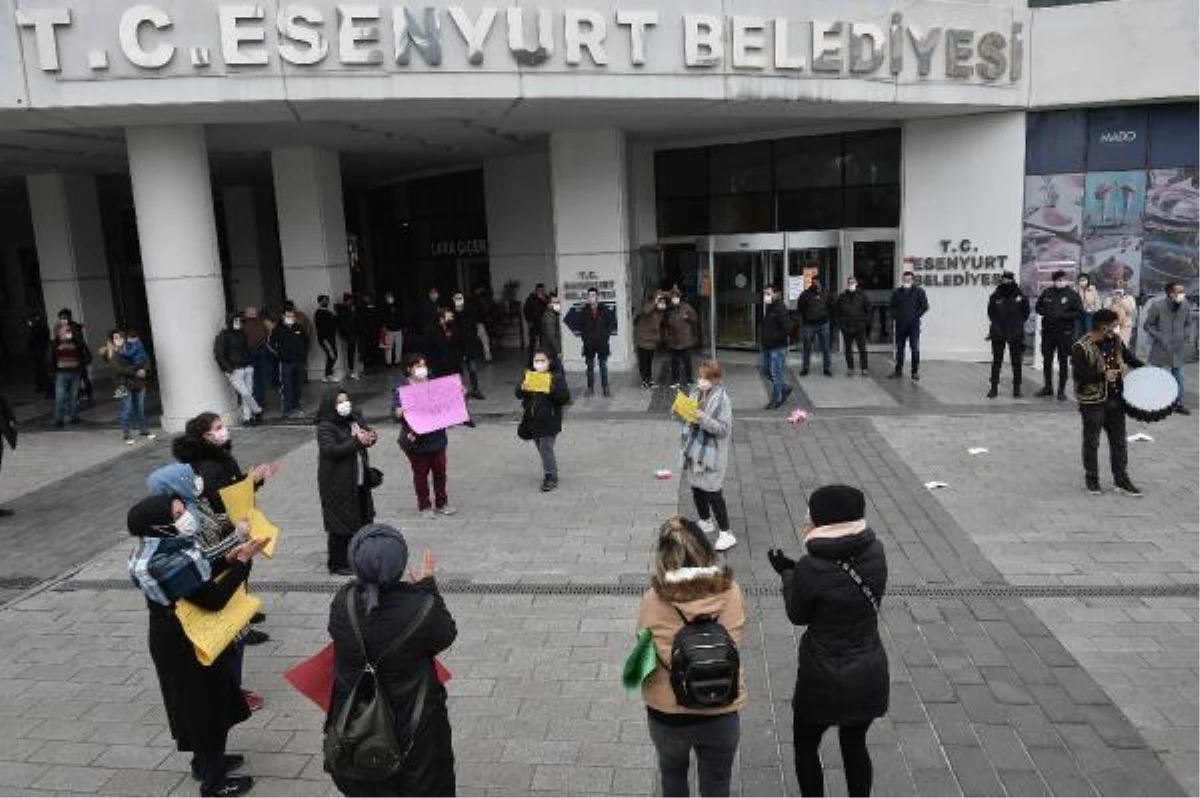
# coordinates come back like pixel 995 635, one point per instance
pixel 1083 285
pixel 852 287
pixel 458 304
pixel 237 324
pixel 660 305
pixel 118 342
pixel 555 307
pixel 198 484
pixel 704 385
pixel 187 524
pixel 420 372
pixel 1178 298
pixel 67 335
pixel 289 320
pixel 675 300
pixel 540 366
pixel 220 436
pixel 1060 283
pixel 389 300
pixel 768 299
pixel 343 409
pixel 906 283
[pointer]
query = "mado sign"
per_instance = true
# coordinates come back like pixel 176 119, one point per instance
pixel 92 39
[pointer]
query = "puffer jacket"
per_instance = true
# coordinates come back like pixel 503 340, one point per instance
pixel 1059 307
pixel 842 668
pixel 231 348
pixel 545 410
pixel 814 306
pixel 1169 326
pixel 691 591
pixel 1008 309
pixel 851 310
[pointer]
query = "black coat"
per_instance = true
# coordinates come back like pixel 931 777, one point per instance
pixel 1008 309
pixel 851 311
pixel 202 702
pixel 346 505
pixel 545 410
pixel 908 306
pixel 290 344
pixel 552 333
pixel 446 351
pixel 466 321
pixel 596 328
pixel 215 464
pixel 347 320
pixel 813 306
pixel 231 349
pixel 842 670
pixel 326 324
pixel 429 769
pixel 1059 307
pixel 8 426
pixel 775 325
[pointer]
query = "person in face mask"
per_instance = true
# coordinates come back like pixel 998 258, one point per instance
pixel 1059 306
pixel 232 352
pixel 206 447
pixel 391 336
pixel 327 334
pixel 127 359
pixel 774 340
pixel 648 334
pixel 851 313
pixel 289 341
pixel 682 332
pixel 705 453
pixel 1008 309
pixel 1089 298
pixel 343 475
pixel 426 453
pixel 466 321
pixel 1099 361
pixel 551 333
pixel 69 359
pixel 542 415
pixel 1125 307
pixel 597 324
pixel 909 304
pixel 1169 325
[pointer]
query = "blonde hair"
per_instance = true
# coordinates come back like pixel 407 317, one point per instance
pixel 681 544
pixel 710 367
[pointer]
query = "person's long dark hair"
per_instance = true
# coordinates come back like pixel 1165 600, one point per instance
pixel 197 427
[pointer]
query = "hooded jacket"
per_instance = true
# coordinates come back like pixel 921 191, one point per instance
pixel 214 464
pixel 691 591
pixel 231 348
pixel 842 668
pixel 1008 309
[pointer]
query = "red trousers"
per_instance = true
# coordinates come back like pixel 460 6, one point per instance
pixel 422 465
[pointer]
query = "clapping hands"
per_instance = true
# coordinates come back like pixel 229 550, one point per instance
pixel 780 561
pixel 428 566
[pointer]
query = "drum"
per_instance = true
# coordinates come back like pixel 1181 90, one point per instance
pixel 1149 393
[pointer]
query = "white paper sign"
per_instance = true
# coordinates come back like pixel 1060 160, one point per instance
pixel 795 285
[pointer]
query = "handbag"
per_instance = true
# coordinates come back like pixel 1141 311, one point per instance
pixel 525 429
pixel 360 744
pixel 374 478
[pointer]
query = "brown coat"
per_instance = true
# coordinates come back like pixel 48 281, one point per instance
pixel 703 595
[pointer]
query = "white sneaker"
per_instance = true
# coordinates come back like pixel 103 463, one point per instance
pixel 428 515
pixel 725 540
pixel 706 526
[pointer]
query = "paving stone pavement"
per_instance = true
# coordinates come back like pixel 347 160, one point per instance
pixel 987 696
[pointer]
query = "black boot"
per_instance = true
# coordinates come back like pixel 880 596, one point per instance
pixel 1016 390
pixel 994 392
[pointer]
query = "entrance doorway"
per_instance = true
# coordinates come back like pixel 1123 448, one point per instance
pixel 742 266
pixel 870 255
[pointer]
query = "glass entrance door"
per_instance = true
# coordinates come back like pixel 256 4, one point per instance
pixel 871 256
pixel 742 267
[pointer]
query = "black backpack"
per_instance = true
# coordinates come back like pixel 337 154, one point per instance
pixel 705 664
pixel 360 744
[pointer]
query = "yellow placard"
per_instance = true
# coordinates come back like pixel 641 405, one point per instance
pixel 212 632
pixel 239 503
pixel 686 407
pixel 537 382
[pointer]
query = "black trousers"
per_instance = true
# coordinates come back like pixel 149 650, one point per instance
pixel 1109 417
pixel 855 339
pixel 1015 350
pixel 856 759
pixel 646 364
pixel 1056 343
pixel 210 766
pixel 681 366
pixel 351 349
pixel 329 347
pixel 710 504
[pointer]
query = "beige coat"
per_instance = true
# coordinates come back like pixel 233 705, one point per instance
pixel 696 594
pixel 1126 309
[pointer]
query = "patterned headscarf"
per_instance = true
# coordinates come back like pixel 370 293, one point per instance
pixel 378 556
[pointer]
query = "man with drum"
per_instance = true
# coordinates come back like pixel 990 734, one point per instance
pixel 1099 362
pixel 1169 325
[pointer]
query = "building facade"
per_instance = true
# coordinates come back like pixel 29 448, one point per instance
pixel 162 163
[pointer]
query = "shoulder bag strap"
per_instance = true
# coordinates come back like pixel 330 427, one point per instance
pixel 862 585
pixel 352 609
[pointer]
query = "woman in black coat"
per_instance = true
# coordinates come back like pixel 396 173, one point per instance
pixel 386 606
pixel 342 475
pixel 842 673
pixel 541 420
pixel 202 702
pixel 206 447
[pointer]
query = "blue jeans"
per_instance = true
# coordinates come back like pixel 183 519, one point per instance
pixel 912 336
pixel 773 361
pixel 132 410
pixel 808 335
pixel 1177 373
pixel 66 395
pixel 1083 325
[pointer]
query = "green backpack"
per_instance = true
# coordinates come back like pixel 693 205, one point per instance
pixel 361 744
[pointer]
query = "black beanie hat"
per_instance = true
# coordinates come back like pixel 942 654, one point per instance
pixel 836 504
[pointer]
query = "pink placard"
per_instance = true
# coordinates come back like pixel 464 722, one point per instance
pixel 434 405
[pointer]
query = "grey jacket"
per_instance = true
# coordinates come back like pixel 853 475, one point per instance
pixel 1170 330
pixel 717 420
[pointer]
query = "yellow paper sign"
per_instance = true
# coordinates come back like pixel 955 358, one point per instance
pixel 686 407
pixel 537 382
pixel 239 503
pixel 212 632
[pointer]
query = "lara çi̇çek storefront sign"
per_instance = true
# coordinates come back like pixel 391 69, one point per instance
pixel 389 36
pixel 957 263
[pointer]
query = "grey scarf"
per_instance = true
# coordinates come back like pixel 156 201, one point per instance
pixel 378 556
pixel 699 446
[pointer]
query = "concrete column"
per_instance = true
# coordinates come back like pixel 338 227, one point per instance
pixel 71 253
pixel 312 232
pixel 591 228
pixel 245 253
pixel 981 157
pixel 178 235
